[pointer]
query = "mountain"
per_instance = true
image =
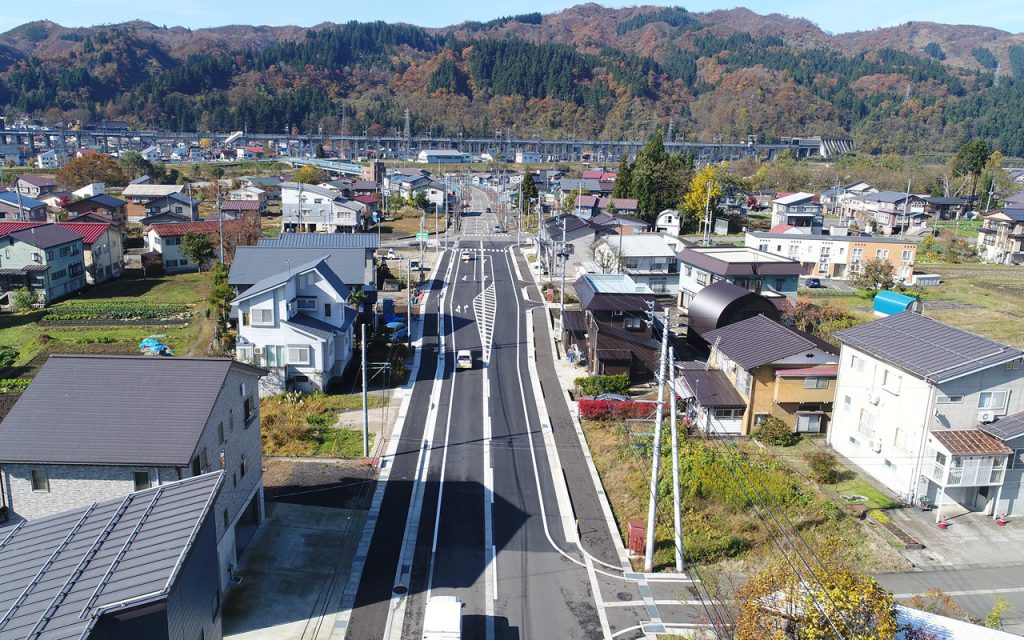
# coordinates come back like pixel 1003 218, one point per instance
pixel 585 71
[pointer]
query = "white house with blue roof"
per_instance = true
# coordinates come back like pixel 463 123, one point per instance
pixel 297 325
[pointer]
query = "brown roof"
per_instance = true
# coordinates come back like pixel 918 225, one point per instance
pixel 970 442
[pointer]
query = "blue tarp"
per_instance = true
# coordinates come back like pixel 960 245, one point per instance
pixel 395 325
pixel 153 345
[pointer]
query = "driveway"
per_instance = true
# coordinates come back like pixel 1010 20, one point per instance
pixel 293 574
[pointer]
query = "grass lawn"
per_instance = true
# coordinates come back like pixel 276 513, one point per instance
pixel 343 443
pixel 23 332
pixel 849 483
pixel 721 531
pixel 302 425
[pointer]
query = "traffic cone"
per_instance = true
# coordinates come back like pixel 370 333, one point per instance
pixel 942 523
pixel 1001 520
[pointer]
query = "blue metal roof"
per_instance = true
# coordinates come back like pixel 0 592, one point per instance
pixel 323 241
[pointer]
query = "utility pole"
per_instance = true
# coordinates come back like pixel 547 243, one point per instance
pixel 366 408
pixel 220 224
pixel 563 253
pixel 408 305
pixel 676 508
pixel 652 505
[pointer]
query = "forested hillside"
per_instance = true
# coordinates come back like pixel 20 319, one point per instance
pixel 587 71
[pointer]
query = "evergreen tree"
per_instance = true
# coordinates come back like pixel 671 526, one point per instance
pixel 623 180
pixel 529 189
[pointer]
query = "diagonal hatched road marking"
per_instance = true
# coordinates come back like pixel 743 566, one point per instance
pixel 484 308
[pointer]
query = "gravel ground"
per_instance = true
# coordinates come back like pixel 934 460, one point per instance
pixel 347 484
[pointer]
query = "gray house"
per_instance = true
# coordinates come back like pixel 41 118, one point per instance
pixel 350 256
pixel 173 418
pixel 21 208
pixel 138 566
pixel 45 258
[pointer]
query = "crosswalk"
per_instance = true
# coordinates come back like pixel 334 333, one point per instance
pixel 484 308
pixel 485 235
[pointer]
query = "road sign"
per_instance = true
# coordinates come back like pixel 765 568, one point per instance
pixel 422 235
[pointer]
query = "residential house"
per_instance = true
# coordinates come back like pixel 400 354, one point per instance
pixel 579 233
pixel 34 186
pixel 350 256
pixel 646 257
pixel 710 399
pixel 838 257
pixel 943 208
pixel 176 418
pixel 778 371
pixel 618 332
pixel 86 152
pixel 251 193
pixel 895 213
pixel 843 201
pixel 46 258
pixel 139 194
pixel 669 221
pixel 1014 201
pixel 111 209
pixel 1001 237
pixel 309 208
pixel 621 223
pixel 21 208
pixel 165 239
pixel 10 153
pixel 178 204
pixel 757 271
pixel 271 185
pixel 443 156
pixel 528 157
pixel 51 159
pixel 141 565
pixel 296 324
pixel 409 186
pixel 910 394
pixel 151 154
pixel 103 250
pixel 800 210
pixel 250 152
pixel 55 202
pixel 236 209
pixel 592 206
pixel 90 190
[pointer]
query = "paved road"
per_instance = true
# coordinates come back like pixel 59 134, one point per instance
pixel 473 508
pixel 975 590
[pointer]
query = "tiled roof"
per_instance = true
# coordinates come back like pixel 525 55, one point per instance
pixel 240 205
pixel 759 340
pixel 10 227
pixel 49 424
pixel 927 347
pixel 62 572
pixel 969 442
pixel 90 231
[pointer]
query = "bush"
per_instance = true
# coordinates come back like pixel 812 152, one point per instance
pixel 823 467
pixel 612 410
pixel 14 385
pixel 775 432
pixel 598 384
pixel 8 356
pixel 23 299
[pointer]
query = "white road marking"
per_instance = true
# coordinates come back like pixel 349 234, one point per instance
pixel 970 592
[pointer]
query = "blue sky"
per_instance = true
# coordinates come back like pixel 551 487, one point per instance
pixel 836 17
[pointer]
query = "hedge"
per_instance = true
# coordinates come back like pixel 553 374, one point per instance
pixel 14 385
pixel 613 410
pixel 598 384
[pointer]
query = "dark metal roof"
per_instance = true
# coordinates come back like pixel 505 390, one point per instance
pixel 722 303
pixel 927 347
pixel 323 241
pixel 252 264
pixel 278 278
pixel 574 322
pixel 769 265
pixel 66 415
pixel 310 325
pixel 107 200
pixel 591 300
pixel 1017 215
pixel 46 236
pixel 61 573
pixel 757 341
pixel 710 387
pixel 1006 428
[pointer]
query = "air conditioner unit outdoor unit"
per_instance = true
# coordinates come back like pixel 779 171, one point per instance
pixel 986 416
pixel 876 446
pixel 874 398
pixel 258 350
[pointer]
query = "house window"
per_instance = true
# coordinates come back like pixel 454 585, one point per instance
pixel 778 284
pixel 262 317
pixel 815 383
pixel 617 313
pixel 728 414
pixel 866 424
pixel 40 481
pixel 907 255
pixel 856 255
pixel 244 466
pixel 327 310
pixel 307 303
pixel 759 419
pixel 854 441
pixel 891 381
pixel 273 356
pixel 702 278
pixel 227 520
pixel 901 439
pixel 881 254
pixel 1013 365
pixel 857 364
pixel 49 255
pixel 1017 459
pixel 250 411
pixel 632 323
pixel 808 422
pixel 142 480
pixel 57 275
pixel 200 463
pixel 944 399
pixel 847 402
pixel 220 431
pixel 992 400
pixel 298 355
pixel 889 464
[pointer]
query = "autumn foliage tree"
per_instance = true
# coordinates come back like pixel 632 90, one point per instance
pixel 776 604
pixel 309 174
pixel 79 172
pixel 702 196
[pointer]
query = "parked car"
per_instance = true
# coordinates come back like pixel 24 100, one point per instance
pixel 814 283
pixel 497 228
pixel 392 255
pixel 612 396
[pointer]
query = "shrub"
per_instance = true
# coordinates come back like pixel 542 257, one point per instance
pixel 8 356
pixel 775 432
pixel 612 409
pixel 598 384
pixel 23 299
pixel 14 385
pixel 823 467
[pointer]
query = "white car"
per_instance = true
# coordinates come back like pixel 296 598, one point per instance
pixel 467 256
pixel 464 359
